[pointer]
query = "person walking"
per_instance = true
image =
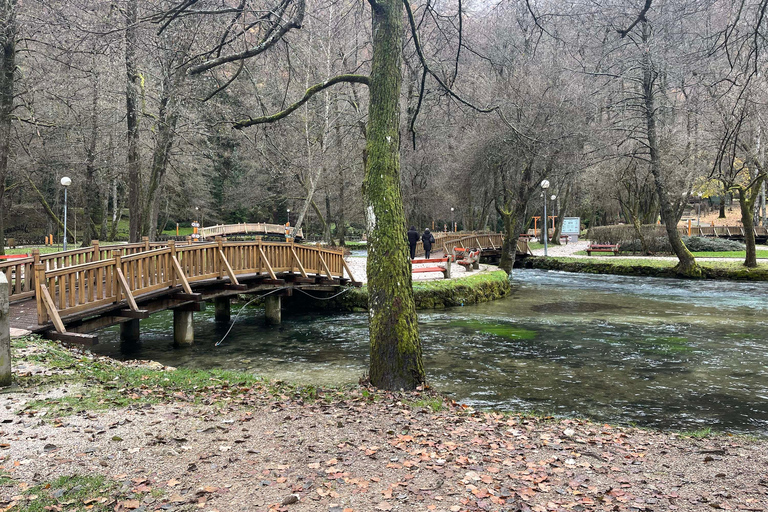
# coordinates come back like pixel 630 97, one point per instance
pixel 427 239
pixel 413 239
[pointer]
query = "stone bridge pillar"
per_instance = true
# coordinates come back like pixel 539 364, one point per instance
pixel 222 309
pixel 272 305
pixel 183 327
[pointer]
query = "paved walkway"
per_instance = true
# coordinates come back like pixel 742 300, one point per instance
pixel 572 248
pixel 357 266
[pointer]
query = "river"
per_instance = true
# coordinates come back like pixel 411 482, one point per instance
pixel 654 352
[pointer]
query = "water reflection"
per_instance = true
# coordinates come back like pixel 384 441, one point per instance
pixel 657 352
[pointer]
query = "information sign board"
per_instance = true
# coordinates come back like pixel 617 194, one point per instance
pixel 571 226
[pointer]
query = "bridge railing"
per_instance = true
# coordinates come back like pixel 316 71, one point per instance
pixel 442 237
pixel 721 231
pixel 88 286
pixel 484 240
pixel 246 228
pixel 20 271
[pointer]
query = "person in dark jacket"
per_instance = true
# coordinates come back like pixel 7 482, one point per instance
pixel 427 239
pixel 413 239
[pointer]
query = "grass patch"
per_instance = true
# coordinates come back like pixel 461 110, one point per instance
pixel 98 383
pixel 77 492
pixel 434 404
pixel 701 433
pixel 728 254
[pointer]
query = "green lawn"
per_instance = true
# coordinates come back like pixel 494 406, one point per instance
pixel 659 263
pixel 726 254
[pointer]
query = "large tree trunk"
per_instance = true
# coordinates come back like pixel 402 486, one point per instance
pixel 7 70
pixel 166 129
pixel 396 357
pixel 687 264
pixel 92 208
pixel 132 95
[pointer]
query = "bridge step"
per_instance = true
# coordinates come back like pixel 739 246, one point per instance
pixel 73 337
pixel 129 313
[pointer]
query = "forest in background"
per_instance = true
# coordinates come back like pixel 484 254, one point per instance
pixel 608 100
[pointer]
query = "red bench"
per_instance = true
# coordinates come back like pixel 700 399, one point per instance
pixel 445 269
pixel 470 260
pixel 13 256
pixel 602 248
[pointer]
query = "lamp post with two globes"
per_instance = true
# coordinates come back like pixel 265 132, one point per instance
pixel 544 187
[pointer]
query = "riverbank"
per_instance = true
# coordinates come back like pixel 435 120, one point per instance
pixel 648 267
pixel 430 289
pixel 83 432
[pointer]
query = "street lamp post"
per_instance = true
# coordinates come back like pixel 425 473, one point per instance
pixel 65 182
pixel 544 187
pixel 288 215
pixel 698 212
pixel 453 219
pixel 553 197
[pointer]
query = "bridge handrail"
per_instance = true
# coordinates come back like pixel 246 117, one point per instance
pixel 89 285
pixel 20 271
pixel 248 228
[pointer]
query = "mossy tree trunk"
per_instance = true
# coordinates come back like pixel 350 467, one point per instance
pixel 396 358
pixel 670 214
pixel 748 196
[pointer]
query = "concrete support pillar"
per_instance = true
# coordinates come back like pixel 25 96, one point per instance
pixel 183 328
pixel 129 331
pixel 222 308
pixel 5 333
pixel 272 306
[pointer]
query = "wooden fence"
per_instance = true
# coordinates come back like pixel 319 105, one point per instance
pixel 89 285
pixel 733 232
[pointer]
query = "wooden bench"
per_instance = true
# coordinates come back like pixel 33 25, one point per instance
pixel 470 260
pixel 565 238
pixel 445 268
pixel 602 248
pixel 525 236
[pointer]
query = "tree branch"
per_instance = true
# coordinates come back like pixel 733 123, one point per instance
pixel 273 37
pixel 640 17
pixel 352 79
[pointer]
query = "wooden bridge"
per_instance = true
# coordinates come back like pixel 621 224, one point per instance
pixel 729 232
pixel 489 243
pixel 66 295
pixel 250 229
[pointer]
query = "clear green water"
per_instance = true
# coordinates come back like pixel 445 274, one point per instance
pixel 655 352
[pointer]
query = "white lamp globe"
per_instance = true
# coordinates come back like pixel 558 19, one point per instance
pixel 65 181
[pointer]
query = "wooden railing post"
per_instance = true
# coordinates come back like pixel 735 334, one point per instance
pixel 219 254
pixel 169 266
pixel 189 240
pixel 115 277
pixel 42 313
pixel 95 254
pixel 145 239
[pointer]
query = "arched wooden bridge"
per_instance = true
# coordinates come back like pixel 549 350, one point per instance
pixel 68 294
pixel 249 229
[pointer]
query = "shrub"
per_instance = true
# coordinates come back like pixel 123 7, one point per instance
pixel 656 244
pixel 660 244
pixel 710 244
pixel 619 232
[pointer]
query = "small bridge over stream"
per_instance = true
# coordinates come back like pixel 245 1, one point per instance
pixel 67 295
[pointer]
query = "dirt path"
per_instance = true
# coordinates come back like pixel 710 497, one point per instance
pixel 234 447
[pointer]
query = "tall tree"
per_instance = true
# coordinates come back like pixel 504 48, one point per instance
pixel 8 32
